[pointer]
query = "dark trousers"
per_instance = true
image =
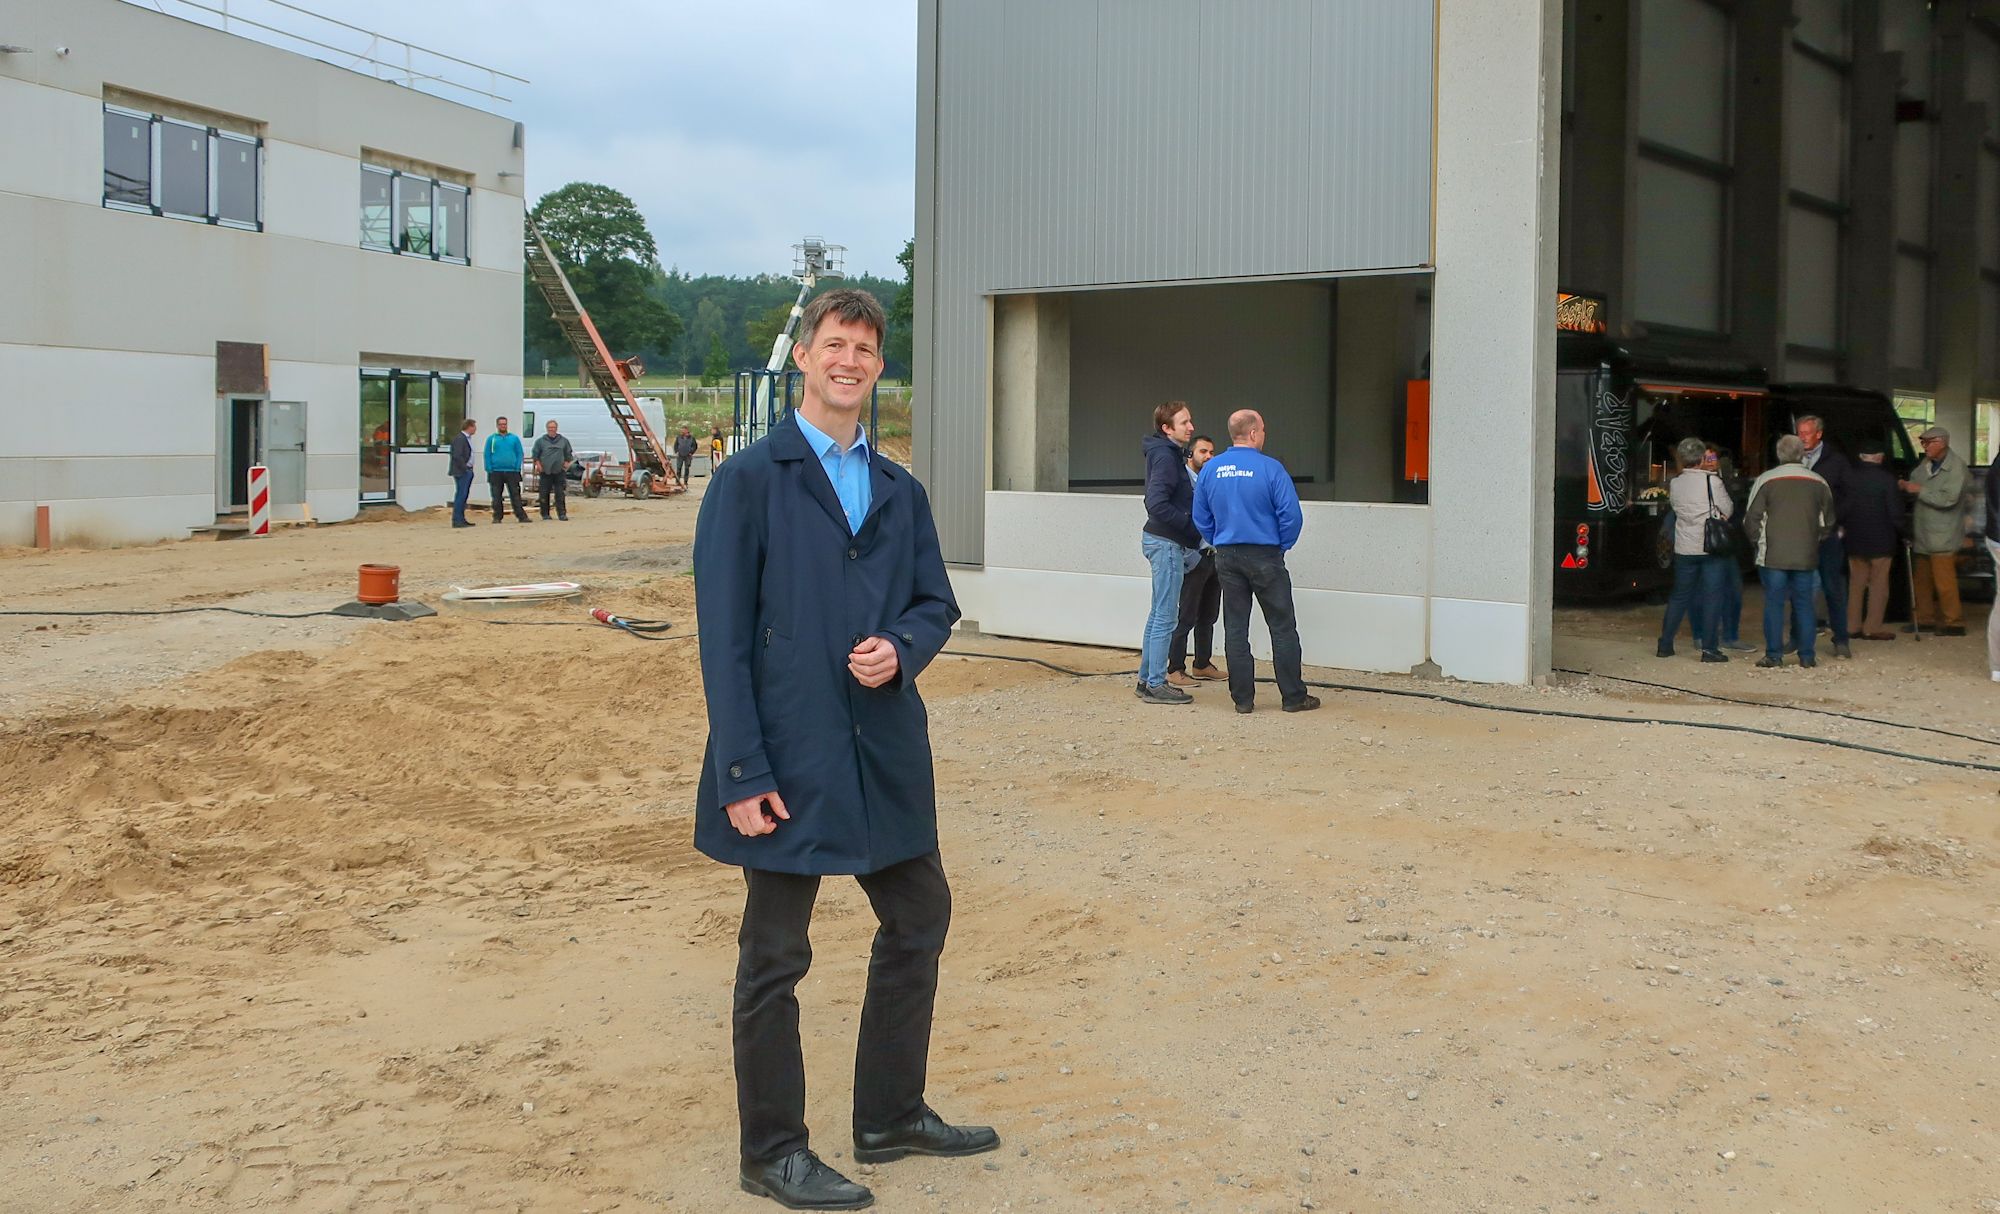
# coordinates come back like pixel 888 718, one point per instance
pixel 1697 598
pixel 461 493
pixel 510 484
pixel 1833 584
pixel 1201 603
pixel 554 484
pixel 683 466
pixel 1258 570
pixel 913 907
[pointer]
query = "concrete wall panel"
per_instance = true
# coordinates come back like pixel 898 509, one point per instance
pixel 69 166
pixel 311 194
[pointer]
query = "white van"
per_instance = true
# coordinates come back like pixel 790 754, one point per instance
pixel 586 422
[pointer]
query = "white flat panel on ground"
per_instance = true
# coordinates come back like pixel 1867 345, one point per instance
pixel 1481 642
pixel 1679 236
pixel 1683 48
pixel 1812 280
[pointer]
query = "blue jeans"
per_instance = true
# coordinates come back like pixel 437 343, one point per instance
pixel 461 493
pixel 1698 597
pixel 1169 562
pixel 1788 588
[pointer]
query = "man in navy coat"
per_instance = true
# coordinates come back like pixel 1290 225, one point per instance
pixel 821 595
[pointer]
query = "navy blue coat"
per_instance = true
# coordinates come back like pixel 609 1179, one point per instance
pixel 783 592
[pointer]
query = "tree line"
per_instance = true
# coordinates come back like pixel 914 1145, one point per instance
pixel 709 325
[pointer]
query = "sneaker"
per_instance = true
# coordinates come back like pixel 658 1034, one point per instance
pixel 1302 704
pixel 1163 693
pixel 1740 646
pixel 1663 651
pixel 1711 655
pixel 1178 679
pixel 1769 663
pixel 1843 650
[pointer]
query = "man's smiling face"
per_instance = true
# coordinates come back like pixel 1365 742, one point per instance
pixel 842 363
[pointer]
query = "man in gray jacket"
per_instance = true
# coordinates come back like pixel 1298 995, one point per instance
pixel 553 456
pixel 1789 515
pixel 1937 531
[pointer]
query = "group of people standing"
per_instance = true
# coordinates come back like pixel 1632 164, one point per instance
pixel 1820 525
pixel 685 447
pixel 504 457
pixel 1216 533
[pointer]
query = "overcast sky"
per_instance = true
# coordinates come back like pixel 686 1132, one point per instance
pixel 738 126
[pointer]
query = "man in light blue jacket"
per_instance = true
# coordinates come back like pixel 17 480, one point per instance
pixel 504 457
pixel 1247 507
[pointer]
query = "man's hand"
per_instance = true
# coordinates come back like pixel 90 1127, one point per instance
pixel 873 662
pixel 757 815
pixel 1909 486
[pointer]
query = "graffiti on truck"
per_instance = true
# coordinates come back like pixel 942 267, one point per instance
pixel 1610 485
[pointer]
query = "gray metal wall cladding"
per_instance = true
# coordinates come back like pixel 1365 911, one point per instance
pixel 1073 143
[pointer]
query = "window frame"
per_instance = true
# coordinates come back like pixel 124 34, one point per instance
pixel 214 137
pixel 440 437
pixel 397 234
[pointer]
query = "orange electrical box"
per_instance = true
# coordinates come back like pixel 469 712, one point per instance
pixel 1417 430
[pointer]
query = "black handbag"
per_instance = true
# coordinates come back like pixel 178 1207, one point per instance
pixel 1716 539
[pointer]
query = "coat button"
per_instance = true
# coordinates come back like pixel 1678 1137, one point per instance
pixel 908 639
pixel 736 771
pixel 857 731
pixel 856 642
pixel 853 553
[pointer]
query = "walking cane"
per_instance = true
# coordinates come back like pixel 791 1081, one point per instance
pixel 1910 569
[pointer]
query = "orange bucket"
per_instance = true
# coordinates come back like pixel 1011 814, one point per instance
pixel 378 583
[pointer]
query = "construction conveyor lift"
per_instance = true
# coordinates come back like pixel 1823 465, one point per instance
pixel 649 473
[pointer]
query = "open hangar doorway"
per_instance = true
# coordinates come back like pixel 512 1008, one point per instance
pixel 1778 207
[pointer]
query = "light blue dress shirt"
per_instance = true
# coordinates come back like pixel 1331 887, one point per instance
pixel 847 470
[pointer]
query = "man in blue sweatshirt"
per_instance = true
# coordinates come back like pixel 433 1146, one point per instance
pixel 1170 543
pixel 1246 505
pixel 504 457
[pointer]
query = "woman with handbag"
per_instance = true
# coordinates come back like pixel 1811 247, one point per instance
pixel 1703 552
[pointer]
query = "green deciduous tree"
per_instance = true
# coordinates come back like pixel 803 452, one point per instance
pixel 716 369
pixel 613 265
pixel 900 348
pixel 764 329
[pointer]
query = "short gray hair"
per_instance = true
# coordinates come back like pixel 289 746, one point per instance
pixel 1791 448
pixel 1689 451
pixel 1810 417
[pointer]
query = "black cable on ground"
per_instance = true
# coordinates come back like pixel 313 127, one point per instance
pixel 1461 702
pixel 1825 712
pixel 268 615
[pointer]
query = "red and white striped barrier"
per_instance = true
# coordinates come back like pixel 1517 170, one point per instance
pixel 260 500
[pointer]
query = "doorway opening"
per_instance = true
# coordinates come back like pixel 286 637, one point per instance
pixel 246 447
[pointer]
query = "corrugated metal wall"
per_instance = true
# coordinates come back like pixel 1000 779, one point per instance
pixel 1077 143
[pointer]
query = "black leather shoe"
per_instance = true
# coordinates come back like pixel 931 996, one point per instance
pixel 799 1181
pixel 929 1134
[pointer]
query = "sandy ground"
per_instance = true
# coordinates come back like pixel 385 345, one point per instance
pixel 332 915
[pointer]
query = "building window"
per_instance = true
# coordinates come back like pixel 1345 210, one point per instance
pixel 413 215
pixel 423 408
pixel 166 166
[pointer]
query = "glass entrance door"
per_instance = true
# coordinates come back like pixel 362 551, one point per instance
pixel 378 441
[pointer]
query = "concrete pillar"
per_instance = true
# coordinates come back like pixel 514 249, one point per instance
pixel 1370 328
pixel 1955 266
pixel 1868 292
pixel 1499 76
pixel 1760 195
pixel 1603 142
pixel 1031 393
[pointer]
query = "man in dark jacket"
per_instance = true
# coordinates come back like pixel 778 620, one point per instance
pixel 683 455
pixel 1169 543
pixel 1874 523
pixel 461 472
pixel 553 456
pixel 1821 457
pixel 821 595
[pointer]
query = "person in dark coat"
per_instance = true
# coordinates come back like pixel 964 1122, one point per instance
pixel 461 472
pixel 1169 542
pixel 1201 599
pixel 1874 523
pixel 1824 458
pixel 821 595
